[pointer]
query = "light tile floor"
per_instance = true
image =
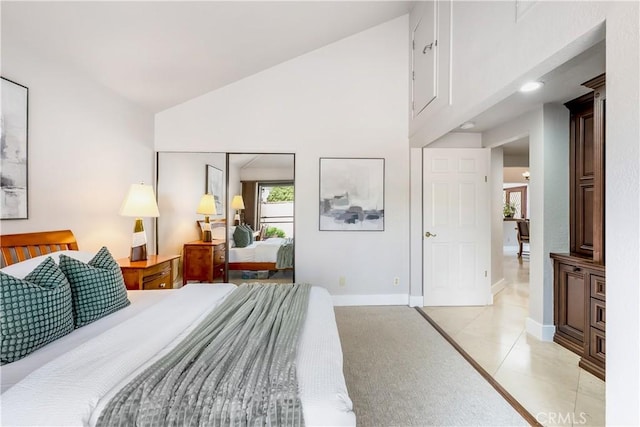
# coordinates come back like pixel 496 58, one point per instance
pixel 543 376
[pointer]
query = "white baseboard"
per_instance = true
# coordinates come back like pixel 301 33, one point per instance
pixel 540 331
pixel 391 299
pixel 498 286
pixel 416 301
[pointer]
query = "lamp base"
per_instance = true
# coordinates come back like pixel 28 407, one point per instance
pixel 138 242
pixel 206 235
pixel 138 253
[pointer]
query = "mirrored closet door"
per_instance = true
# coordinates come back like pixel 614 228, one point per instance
pixel 261 201
pixel 192 197
pixel 204 197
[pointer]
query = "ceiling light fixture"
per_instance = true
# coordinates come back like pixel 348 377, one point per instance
pixel 467 125
pixel 531 86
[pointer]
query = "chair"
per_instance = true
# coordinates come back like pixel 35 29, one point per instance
pixel 523 234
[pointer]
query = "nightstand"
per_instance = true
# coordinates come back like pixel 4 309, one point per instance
pixel 156 272
pixel 203 261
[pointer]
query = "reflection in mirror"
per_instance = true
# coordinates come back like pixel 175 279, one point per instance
pixel 261 202
pixel 182 181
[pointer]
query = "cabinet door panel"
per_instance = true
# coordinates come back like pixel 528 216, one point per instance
pixel 425 59
pixel 571 299
pixel 584 216
pixel 198 263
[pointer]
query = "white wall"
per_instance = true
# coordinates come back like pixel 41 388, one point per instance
pixel 266 174
pixel 509 235
pixel 548 204
pixel 348 99
pixel 622 226
pixel 86 146
pixel 497 251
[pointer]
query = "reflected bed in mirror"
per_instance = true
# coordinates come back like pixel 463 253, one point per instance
pixel 266 184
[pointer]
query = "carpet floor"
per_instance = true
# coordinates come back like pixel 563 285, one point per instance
pixel 402 372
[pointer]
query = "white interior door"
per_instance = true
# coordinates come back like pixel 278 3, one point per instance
pixel 457 229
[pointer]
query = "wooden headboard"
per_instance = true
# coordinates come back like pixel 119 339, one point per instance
pixel 19 247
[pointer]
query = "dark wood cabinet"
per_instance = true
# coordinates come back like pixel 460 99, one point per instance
pixel 203 261
pixel 581 174
pixel 579 277
pixel 569 295
pixel 579 311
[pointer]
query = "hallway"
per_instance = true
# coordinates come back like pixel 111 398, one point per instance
pixel 543 376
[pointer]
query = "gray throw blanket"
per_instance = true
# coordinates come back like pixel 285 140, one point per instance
pixel 285 255
pixel 237 368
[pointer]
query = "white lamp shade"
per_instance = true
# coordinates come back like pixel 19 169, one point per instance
pixel 140 202
pixel 237 202
pixel 207 205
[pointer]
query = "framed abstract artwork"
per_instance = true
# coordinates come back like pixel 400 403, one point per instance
pixel 13 151
pixel 351 194
pixel 215 186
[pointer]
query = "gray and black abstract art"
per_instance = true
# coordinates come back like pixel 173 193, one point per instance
pixel 13 151
pixel 351 194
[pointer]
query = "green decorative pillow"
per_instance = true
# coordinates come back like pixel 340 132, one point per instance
pixel 249 231
pixel 34 311
pixel 241 237
pixel 97 288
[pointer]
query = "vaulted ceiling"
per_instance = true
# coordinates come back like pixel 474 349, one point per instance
pixel 162 53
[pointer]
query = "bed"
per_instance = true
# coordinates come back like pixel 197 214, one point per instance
pixel 270 254
pixel 263 255
pixel 71 380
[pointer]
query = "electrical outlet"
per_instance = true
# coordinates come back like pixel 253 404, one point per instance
pixel 396 281
pixel 342 281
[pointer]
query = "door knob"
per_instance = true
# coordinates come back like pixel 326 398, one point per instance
pixel 429 234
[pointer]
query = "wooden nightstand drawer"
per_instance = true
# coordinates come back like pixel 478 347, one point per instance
pixel 156 272
pixel 218 256
pixel 161 281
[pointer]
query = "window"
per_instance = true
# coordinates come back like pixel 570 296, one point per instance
pixel 517 196
pixel 276 207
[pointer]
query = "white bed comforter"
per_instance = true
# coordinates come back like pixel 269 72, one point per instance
pixel 259 251
pixel 72 389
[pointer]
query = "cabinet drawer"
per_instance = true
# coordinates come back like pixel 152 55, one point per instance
pixel 597 287
pixel 598 314
pixel 152 272
pixel 597 345
pixel 218 257
pixel 160 281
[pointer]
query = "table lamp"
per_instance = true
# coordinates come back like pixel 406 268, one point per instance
pixel 207 207
pixel 139 203
pixel 237 203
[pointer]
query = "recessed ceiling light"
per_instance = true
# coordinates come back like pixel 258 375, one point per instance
pixel 467 125
pixel 531 86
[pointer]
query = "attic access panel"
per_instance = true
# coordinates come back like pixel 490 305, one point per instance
pixel 425 59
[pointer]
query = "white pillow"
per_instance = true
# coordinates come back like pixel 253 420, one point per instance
pixel 21 269
pixel 218 233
